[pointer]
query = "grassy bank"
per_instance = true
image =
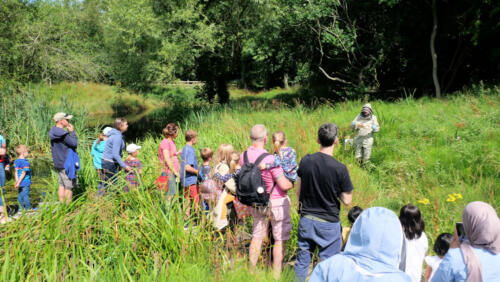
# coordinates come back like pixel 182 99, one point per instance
pixel 426 151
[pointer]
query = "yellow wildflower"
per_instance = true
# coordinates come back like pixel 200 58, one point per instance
pixel 458 196
pixel 451 198
pixel 424 201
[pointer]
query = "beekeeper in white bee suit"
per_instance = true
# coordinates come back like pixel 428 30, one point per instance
pixel 365 124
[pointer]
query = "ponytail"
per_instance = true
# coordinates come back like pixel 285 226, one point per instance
pixel 279 140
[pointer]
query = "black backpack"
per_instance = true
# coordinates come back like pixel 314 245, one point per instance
pixel 250 188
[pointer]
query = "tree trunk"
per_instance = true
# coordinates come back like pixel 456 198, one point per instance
pixel 433 49
pixel 285 81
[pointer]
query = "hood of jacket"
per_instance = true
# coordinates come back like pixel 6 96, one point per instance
pixel 57 133
pixel 114 132
pixel 369 107
pixel 376 240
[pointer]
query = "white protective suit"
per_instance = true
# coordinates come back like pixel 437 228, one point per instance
pixel 365 127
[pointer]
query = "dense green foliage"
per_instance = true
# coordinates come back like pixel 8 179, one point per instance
pixel 426 149
pixel 334 48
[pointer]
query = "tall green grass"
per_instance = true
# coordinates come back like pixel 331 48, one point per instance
pixel 426 149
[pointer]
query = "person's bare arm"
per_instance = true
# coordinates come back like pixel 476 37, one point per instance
pixel 284 183
pixel 346 198
pixel 191 169
pixel 20 179
pixel 455 242
pixel 168 161
pixel 428 273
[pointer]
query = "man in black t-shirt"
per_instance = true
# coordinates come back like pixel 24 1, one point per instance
pixel 323 182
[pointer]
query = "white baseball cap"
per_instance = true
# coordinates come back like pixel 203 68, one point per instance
pixel 61 116
pixel 106 130
pixel 132 148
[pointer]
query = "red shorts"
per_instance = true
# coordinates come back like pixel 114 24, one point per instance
pixel 192 192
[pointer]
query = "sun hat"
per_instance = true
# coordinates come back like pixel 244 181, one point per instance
pixel 132 148
pixel 61 116
pixel 106 130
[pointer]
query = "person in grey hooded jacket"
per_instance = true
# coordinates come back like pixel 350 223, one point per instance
pixel 372 253
pixel 365 124
pixel 112 155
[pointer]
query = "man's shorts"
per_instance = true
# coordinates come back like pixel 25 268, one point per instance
pixel 279 215
pixel 64 181
pixel 192 192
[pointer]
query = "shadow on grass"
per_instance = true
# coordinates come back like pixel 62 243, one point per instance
pixel 180 111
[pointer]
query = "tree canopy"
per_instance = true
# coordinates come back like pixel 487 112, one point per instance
pixel 338 48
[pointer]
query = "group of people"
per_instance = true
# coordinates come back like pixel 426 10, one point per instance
pixel 379 246
pixel 22 176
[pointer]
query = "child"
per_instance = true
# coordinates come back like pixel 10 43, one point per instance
pixel 4 166
pixel 441 247
pixel 189 171
pixel 415 241
pixel 352 215
pixel 96 153
pixel 365 124
pixel 23 177
pixel 208 186
pixel 242 210
pixel 284 156
pixel 226 185
pixel 136 167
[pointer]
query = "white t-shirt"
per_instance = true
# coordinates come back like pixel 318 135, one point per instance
pixel 416 250
pixel 433 262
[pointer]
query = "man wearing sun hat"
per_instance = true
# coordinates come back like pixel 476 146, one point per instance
pixel 62 139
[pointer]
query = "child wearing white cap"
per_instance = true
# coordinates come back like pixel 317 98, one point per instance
pixel 136 167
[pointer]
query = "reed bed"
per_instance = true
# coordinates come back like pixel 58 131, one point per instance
pixel 437 154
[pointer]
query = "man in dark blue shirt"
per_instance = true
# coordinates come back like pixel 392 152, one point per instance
pixel 60 143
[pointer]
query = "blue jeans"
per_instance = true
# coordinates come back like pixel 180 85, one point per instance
pixel 24 198
pixel 2 175
pixel 327 236
pixel 109 171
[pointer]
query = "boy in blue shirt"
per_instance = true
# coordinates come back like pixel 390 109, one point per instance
pixel 189 171
pixel 23 177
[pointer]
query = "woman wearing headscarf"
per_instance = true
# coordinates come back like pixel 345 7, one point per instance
pixel 477 257
pixel 372 252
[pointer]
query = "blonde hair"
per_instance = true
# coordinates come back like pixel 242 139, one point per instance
pixel 279 141
pixel 235 162
pixel 223 154
pixel 206 154
pixel 21 149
